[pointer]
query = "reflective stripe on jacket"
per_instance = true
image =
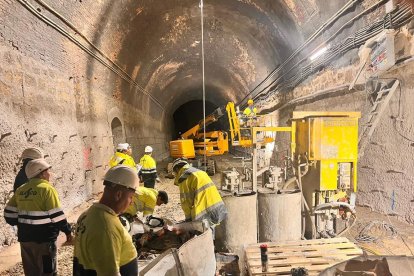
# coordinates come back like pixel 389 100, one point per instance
pixel 144 200
pixel 102 244
pixel 122 158
pixel 149 167
pixel 35 209
pixel 250 111
pixel 199 196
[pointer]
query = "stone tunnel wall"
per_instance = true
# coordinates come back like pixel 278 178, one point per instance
pixel 55 96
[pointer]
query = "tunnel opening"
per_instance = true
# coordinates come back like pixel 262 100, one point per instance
pixel 190 113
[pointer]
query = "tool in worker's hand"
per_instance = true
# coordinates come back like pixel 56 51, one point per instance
pixel 154 221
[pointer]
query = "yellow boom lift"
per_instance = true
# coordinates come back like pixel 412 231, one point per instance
pixel 192 142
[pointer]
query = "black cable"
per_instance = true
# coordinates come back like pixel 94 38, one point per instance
pixel 110 65
pixel 399 17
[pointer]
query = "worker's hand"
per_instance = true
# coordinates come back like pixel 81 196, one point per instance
pixel 158 180
pixel 69 239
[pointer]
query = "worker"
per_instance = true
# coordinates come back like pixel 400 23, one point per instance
pixel 123 156
pixel 27 155
pixel 35 209
pixel 200 199
pixel 145 200
pixel 148 172
pixel 250 110
pixel 102 244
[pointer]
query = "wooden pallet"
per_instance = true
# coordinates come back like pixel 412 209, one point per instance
pixel 314 255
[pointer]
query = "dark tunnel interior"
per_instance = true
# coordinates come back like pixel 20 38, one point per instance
pixel 190 113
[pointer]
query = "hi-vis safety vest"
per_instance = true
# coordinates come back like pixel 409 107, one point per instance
pixel 35 209
pixel 250 111
pixel 102 244
pixel 144 200
pixel 149 167
pixel 199 196
pixel 120 158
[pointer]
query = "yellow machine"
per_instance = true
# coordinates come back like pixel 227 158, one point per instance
pixel 325 149
pixel 192 141
pixel 323 162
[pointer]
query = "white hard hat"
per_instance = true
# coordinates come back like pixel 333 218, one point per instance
pixel 148 149
pixel 123 175
pixel 32 153
pixel 35 167
pixel 123 146
pixel 179 161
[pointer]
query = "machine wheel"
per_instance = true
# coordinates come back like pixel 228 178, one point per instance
pixel 211 167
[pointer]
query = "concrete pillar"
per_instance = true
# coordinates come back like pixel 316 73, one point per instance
pixel 240 227
pixel 279 216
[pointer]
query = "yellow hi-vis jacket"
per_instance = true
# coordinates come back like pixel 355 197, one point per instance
pixel 199 196
pixel 120 158
pixel 149 167
pixel 144 200
pixel 250 111
pixel 35 209
pixel 102 244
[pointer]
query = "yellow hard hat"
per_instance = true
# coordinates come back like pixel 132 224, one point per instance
pixel 35 167
pixel 123 175
pixel 250 102
pixel 32 153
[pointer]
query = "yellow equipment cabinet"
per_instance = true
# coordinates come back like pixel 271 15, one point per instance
pixel 182 148
pixel 331 140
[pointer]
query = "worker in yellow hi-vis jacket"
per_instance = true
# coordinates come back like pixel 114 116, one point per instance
pixel 145 200
pixel 123 156
pixel 35 209
pixel 148 172
pixel 103 246
pixel 200 199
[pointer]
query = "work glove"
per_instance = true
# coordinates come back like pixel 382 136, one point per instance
pixel 158 180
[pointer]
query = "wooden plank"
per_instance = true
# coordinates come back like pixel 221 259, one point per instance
pixel 295 261
pixel 345 252
pixel 286 270
pixel 304 248
pixel 301 242
pixel 314 255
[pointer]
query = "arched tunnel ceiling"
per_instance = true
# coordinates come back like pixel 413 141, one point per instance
pixel 159 45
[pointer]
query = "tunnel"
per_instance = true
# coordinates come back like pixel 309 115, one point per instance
pixel 79 77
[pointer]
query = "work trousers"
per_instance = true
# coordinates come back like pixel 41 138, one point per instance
pixel 149 183
pixel 39 259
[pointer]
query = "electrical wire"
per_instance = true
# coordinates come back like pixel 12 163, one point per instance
pixel 306 57
pixel 392 20
pixel 103 59
pixel 325 25
pixel 204 85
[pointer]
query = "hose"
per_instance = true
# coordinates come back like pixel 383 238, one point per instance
pixel 335 204
pixel 348 227
pixel 304 206
pixel 289 182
